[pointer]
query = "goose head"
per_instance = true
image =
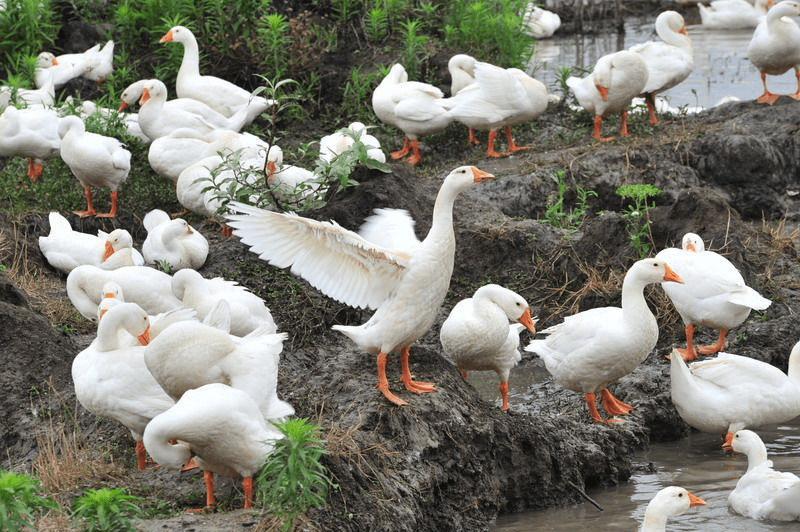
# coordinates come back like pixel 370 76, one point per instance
pixel 670 502
pixel 116 240
pixel 177 34
pixel 692 242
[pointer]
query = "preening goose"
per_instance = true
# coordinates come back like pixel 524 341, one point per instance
pixel 590 350
pixel 477 335
pixel 733 14
pixel 406 289
pixel 173 241
pixel 713 293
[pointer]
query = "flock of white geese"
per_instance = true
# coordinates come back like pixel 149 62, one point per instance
pixel 176 354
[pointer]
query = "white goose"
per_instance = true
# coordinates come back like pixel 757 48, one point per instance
pixel 102 63
pixel 411 106
pixel 221 427
pixel 173 241
pixel 668 502
pixel 224 96
pixel 248 311
pixel 590 350
pixel 733 14
pixel 732 392
pixel 407 290
pixel 669 61
pixel 130 120
pixel 342 140
pixel 539 23
pixel 477 336
pixel 762 492
pixel 713 293
pixel 159 117
pixel 112 380
pixel 63 68
pixel 66 249
pixel 151 289
pixel 95 160
pixel 499 97
pixel 44 96
pixel 775 46
pixel 615 80
pixel 31 133
pixel 288 181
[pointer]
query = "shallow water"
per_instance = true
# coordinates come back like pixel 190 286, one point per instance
pixel 697 463
pixel 721 67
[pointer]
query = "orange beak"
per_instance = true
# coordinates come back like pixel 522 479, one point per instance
pixel 103 313
pixel 270 169
pixel 166 38
pixel 109 250
pixel 695 501
pixel 527 321
pixel 670 275
pixel 145 96
pixel 690 247
pixel 144 338
pixel 728 445
pixel 123 106
pixel 189 230
pixel 603 92
pixel 55 62
pixel 480 175
pixel 683 32
pixel 109 295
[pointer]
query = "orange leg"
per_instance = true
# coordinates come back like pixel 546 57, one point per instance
pixel 511 146
pixel 590 402
pixel 402 152
pixel 113 212
pixel 504 395
pixel 796 95
pixel 405 378
pixel 612 405
pixel 383 382
pixel 247 484
pixel 689 353
pixel 415 158
pixel 141 456
pixel 713 348
pixel 208 476
pixel 463 373
pixel 34 170
pixel 650 100
pixel 490 149
pixel 89 209
pixel 623 130
pixel 472 139
pixel 767 97
pixel 598 122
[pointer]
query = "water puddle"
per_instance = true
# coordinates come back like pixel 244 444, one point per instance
pixel 721 67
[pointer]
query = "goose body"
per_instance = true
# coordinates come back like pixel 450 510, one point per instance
pixel 190 354
pixel 762 492
pixel 112 381
pixel 668 502
pixel 95 160
pixel 173 241
pixel 713 293
pixel 732 392
pixel 669 61
pixel 340 141
pixel 43 96
pixel 289 182
pixel 477 335
pixel 775 46
pixel 66 249
pixel 102 63
pixel 151 289
pixel 407 290
pixel 411 106
pixel 63 68
pixel 732 14
pixel 222 95
pixel 248 311
pixel 615 80
pixel 31 133
pixel 590 350
pixel 221 427
pixel 540 23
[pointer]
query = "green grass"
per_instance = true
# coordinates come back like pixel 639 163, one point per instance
pixel 106 510
pixel 21 501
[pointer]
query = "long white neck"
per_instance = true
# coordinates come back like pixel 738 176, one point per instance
pixel 756 455
pixel 775 15
pixel 441 231
pixel 190 65
pixel 171 235
pixel 108 328
pixel 670 34
pixel 794 365
pixel 157 437
pixel 634 305
pixel 654 521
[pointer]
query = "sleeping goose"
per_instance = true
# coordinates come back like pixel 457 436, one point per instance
pixel 775 46
pixel 731 392
pixel 413 107
pixel 615 80
pixel 95 160
pixel 539 23
pixel 668 502
pixel 762 492
pixel 669 61
pixel 590 350
pixel 173 241
pixel 406 288
pixel 342 140
pixel 477 336
pixel 733 14
pixel 222 428
pixel 226 97
pixel 713 293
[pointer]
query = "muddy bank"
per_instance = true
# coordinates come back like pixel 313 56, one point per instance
pixel 452 460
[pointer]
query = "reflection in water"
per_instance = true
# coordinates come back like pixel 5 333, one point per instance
pixel 721 67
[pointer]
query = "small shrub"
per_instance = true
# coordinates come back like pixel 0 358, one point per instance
pixel 106 510
pixel 20 501
pixel 637 219
pixel 557 216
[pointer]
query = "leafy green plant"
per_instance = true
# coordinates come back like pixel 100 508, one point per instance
pixel 357 93
pixel 376 24
pixel 637 220
pixel 557 216
pixel 413 53
pixel 21 501
pixel 293 479
pixel 27 27
pixel 345 9
pixel 106 510
pixel 275 38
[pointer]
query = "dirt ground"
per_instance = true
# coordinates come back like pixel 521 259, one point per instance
pixel 453 460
